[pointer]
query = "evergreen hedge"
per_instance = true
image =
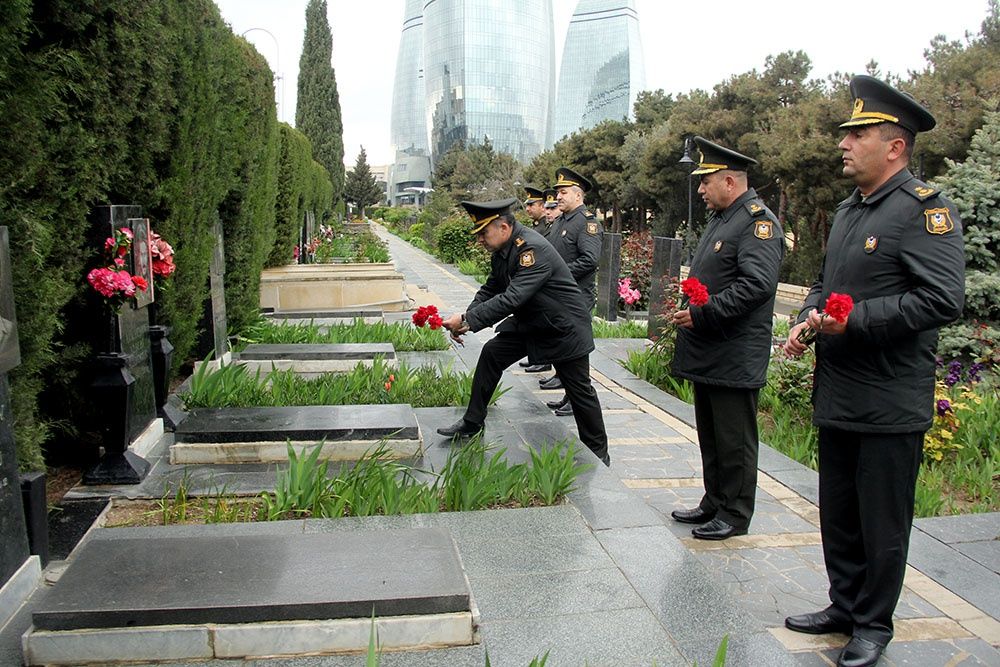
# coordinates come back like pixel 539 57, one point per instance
pixel 153 103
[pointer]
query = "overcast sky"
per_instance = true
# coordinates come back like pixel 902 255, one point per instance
pixel 686 45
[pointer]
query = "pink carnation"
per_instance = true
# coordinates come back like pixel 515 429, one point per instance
pixel 103 280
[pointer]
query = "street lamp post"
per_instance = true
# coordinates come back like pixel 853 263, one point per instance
pixel 278 79
pixel 689 164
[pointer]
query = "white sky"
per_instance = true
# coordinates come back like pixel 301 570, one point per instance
pixel 686 45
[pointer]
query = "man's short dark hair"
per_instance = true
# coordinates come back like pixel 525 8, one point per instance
pixel 507 217
pixel 890 131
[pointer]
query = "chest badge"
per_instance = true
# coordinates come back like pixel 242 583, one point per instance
pixel 763 229
pixel 519 242
pixel 564 232
pixel 871 243
pixel 527 258
pixel 718 246
pixel 938 220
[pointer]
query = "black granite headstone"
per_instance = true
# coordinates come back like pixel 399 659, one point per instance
pixel 667 255
pixel 13 535
pixel 10 351
pixel 133 328
pixel 217 272
pixel 36 514
pixel 608 272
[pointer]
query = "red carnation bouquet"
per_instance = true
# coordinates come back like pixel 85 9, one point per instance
pixel 838 307
pixel 427 315
pixel 113 281
pixel 695 291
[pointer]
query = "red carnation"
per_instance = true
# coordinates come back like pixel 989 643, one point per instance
pixel 140 282
pixel 435 321
pixel 427 314
pixel 839 306
pixel 695 291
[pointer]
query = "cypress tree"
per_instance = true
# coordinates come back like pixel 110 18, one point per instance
pixel 360 187
pixel 317 112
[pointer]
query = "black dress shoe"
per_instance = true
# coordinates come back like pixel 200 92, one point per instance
pixel 538 368
pixel 552 383
pixel 553 405
pixel 819 623
pixel 697 515
pixel 606 460
pixel 717 529
pixel 524 363
pixel 860 652
pixel 460 429
pixel 564 410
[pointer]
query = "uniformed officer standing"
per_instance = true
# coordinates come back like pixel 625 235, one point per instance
pixel 896 248
pixel 724 346
pixel 534 205
pixel 529 280
pixel 577 237
pixel 552 211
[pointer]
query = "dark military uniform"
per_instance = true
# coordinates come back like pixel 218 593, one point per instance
pixel 726 353
pixel 899 254
pixel 577 237
pixel 529 280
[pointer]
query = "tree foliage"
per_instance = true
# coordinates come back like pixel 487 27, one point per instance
pixel 317 112
pixel 360 187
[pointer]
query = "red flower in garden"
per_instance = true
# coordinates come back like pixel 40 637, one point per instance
pixel 427 314
pixel 839 306
pixel 695 291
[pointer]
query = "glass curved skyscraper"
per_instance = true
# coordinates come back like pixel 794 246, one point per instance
pixel 602 69
pixel 412 162
pixel 488 72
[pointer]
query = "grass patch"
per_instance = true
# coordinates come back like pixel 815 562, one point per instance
pixel 619 329
pixel 474 477
pixel 404 336
pixel 233 386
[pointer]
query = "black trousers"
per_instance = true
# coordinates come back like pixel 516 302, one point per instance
pixel 726 419
pixel 504 349
pixel 866 490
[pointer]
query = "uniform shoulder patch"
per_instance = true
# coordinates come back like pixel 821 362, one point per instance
pixel 920 190
pixel 519 241
pixel 755 207
pixel 938 220
pixel 592 228
pixel 588 215
pixel 763 229
pixel 527 258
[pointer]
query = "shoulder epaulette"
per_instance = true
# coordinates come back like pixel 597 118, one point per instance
pixel 920 190
pixel 755 207
pixel 588 215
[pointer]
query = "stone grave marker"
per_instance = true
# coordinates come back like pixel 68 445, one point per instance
pixel 667 255
pixel 608 271
pixel 217 284
pixel 13 533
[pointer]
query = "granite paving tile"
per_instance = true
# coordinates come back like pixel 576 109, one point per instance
pixel 530 554
pixel 953 653
pixel 956 572
pixel 759 648
pixel 964 528
pixel 985 553
pixel 619 637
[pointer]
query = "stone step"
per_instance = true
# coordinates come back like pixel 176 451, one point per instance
pixel 197 592
pixel 314 358
pixel 345 313
pixel 260 435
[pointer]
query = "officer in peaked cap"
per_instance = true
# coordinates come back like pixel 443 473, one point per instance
pixel 530 281
pixel 577 237
pixel 552 211
pixel 896 249
pixel 723 346
pixel 534 204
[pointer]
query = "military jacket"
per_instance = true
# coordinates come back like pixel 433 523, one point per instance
pixel 899 254
pixel 737 259
pixel 577 236
pixel 530 280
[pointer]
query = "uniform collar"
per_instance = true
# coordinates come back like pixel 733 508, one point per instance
pixel 896 180
pixel 737 204
pixel 581 207
pixel 515 232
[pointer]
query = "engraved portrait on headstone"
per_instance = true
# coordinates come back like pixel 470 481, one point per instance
pixel 142 261
pixel 10 354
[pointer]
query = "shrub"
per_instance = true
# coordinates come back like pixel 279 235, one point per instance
pixel 452 239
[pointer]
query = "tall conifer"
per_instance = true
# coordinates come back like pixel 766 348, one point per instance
pixel 360 187
pixel 317 112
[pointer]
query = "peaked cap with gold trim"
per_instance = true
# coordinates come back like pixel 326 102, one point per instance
pixel 534 194
pixel 550 198
pixel 485 212
pixel 712 158
pixel 877 102
pixel 566 177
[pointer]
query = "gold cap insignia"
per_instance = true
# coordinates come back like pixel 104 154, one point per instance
pixel 938 220
pixel 718 245
pixel 592 228
pixel 528 258
pixel 763 229
pixel 859 106
pixel 871 243
pixel 519 242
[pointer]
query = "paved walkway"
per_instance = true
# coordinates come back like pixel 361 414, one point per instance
pixel 609 579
